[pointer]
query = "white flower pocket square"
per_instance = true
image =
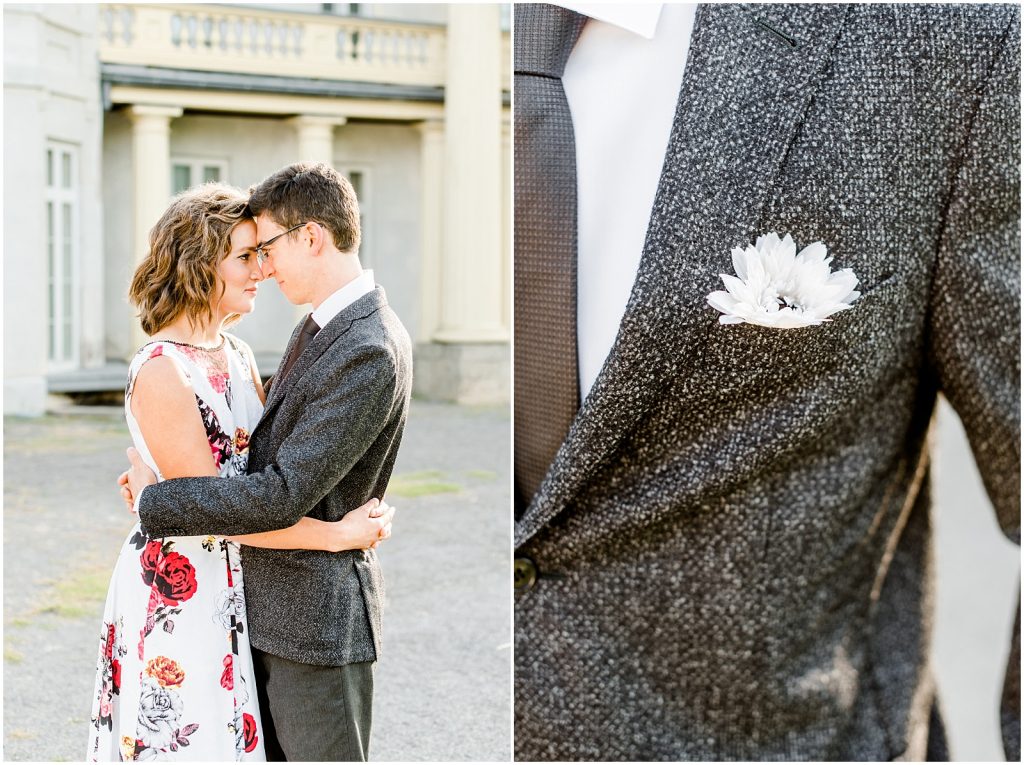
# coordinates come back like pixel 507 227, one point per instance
pixel 776 287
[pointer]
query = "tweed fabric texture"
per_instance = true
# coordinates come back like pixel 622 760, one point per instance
pixel 733 542
pixel 326 444
pixel 546 381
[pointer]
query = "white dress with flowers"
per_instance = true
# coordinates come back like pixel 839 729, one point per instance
pixel 174 678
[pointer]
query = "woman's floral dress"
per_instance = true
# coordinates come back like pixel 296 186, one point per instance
pixel 174 678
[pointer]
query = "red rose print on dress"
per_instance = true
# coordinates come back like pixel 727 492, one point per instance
pixel 105 712
pixel 153 697
pixel 218 380
pixel 175 579
pixel 190 352
pixel 109 681
pixel 227 677
pixel 249 732
pixel 150 559
pixel 172 580
pixel 108 648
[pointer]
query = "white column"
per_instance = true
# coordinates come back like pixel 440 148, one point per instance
pixel 471 270
pixel 315 137
pixel 431 211
pixel 506 221
pixel 315 143
pixel 151 170
pixel 25 258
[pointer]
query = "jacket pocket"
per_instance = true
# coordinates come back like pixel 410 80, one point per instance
pixel 752 348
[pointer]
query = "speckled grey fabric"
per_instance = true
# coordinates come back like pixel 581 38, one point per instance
pixel 326 444
pixel 733 541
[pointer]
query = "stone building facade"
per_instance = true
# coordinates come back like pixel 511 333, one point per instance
pixel 111 109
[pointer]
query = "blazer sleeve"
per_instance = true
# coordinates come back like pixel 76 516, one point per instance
pixel 344 414
pixel 974 321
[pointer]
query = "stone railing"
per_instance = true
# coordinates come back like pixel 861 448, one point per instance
pixel 254 41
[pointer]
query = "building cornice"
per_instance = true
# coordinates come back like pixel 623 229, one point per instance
pixel 158 77
pixel 189 79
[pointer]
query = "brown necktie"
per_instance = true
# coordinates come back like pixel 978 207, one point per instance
pixel 309 330
pixel 546 377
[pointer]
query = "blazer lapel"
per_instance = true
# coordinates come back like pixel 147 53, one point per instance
pixel 744 93
pixel 335 328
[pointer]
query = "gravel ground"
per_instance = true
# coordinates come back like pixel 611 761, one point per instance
pixel 443 684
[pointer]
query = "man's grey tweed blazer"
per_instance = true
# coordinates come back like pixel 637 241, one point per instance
pixel 733 541
pixel 326 443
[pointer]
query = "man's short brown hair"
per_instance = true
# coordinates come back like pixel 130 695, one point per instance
pixel 310 191
pixel 179 273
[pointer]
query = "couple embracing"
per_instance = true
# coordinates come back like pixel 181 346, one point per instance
pixel 192 665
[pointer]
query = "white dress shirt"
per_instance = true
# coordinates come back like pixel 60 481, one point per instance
pixel 341 299
pixel 622 83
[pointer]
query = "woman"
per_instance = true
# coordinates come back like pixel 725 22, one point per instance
pixel 174 676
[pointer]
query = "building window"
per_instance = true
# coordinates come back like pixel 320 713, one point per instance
pixel 341 9
pixel 359 177
pixel 187 172
pixel 62 253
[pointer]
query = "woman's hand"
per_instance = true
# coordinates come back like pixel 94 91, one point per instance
pixel 126 492
pixel 361 529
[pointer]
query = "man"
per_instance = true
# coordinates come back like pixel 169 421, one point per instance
pixel 723 540
pixel 326 443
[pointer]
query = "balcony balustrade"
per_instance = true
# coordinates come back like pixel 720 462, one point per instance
pixel 280 43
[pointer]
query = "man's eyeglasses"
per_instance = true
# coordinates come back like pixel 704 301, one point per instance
pixel 261 250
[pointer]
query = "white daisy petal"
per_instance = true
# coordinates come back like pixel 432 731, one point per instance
pixel 737 287
pixel 788 246
pixel 756 274
pixel 722 301
pixel 739 262
pixel 816 251
pixel 766 242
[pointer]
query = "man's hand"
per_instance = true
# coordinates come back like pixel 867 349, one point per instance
pixel 136 478
pixel 363 528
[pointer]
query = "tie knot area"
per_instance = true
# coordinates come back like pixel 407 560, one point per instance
pixel 544 38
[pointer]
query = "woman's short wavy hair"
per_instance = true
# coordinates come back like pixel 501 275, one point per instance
pixel 179 273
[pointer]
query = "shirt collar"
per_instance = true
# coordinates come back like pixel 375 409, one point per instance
pixel 639 18
pixel 338 301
